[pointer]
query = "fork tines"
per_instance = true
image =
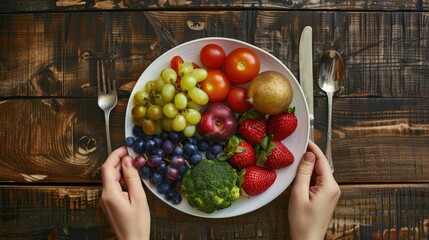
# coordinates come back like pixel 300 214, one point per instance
pixel 105 76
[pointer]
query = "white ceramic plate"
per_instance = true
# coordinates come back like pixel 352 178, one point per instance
pixel 297 142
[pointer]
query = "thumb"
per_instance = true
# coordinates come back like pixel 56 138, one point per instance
pixel 303 175
pixel 132 179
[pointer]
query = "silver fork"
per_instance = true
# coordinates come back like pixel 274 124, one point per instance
pixel 107 94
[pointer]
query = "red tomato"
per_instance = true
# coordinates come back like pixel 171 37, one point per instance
pixel 237 99
pixel 216 85
pixel 212 56
pixel 241 65
pixel 175 63
pixel 195 65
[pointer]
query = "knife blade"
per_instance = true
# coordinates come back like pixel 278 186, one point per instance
pixel 306 72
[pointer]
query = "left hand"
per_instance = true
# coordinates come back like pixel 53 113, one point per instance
pixel 127 212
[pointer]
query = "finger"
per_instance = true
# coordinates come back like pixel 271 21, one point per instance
pixel 322 165
pixel 303 176
pixel 114 158
pixel 132 180
pixel 110 170
pixel 312 147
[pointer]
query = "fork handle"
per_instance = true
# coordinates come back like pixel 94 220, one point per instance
pixel 109 143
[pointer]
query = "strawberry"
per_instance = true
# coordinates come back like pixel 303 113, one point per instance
pixel 240 154
pixel 255 180
pixel 282 125
pixel 253 127
pixel 273 154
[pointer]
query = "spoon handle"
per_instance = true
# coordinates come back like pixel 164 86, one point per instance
pixel 329 133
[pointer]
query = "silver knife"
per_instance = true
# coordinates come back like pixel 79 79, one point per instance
pixel 306 72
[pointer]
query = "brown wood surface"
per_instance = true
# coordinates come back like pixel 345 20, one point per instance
pixel 52 138
pixel 78 5
pixel 385 53
pixel 374 139
pixel 67 212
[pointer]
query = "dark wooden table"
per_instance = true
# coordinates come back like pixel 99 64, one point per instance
pixel 52 136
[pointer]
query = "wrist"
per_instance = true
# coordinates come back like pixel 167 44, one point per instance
pixel 306 238
pixel 308 235
pixel 135 238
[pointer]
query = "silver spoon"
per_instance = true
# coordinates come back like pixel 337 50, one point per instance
pixel 331 73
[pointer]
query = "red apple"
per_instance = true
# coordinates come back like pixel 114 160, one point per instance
pixel 218 122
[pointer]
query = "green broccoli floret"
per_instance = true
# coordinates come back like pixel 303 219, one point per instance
pixel 211 185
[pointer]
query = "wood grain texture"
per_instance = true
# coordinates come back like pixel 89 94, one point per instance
pixel 52 131
pixel 374 139
pixel 381 212
pixel 385 54
pixel 363 212
pixel 381 139
pixel 79 5
pixel 52 213
pixel 55 140
pixel 369 133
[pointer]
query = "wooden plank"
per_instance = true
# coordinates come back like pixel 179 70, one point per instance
pixel 70 212
pixel 381 212
pixel 385 53
pixel 77 5
pixel 62 140
pixel 52 213
pixel 53 54
pixel 382 139
pixel 55 140
pixel 31 55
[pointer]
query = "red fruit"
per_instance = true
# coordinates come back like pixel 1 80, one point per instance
pixel 282 125
pixel 253 127
pixel 218 123
pixel 240 154
pixel 273 154
pixel 237 99
pixel 256 180
pixel 175 63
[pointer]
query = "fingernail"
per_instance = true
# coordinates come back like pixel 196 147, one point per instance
pixel 308 158
pixel 127 162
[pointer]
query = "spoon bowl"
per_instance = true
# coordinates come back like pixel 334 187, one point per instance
pixel 330 77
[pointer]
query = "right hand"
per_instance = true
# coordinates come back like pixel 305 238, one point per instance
pixel 314 196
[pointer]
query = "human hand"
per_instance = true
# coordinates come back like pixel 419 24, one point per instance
pixel 127 212
pixel 314 196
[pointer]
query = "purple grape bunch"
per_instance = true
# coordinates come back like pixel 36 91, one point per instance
pixel 163 159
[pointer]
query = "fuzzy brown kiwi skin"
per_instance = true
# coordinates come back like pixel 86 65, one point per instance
pixel 270 92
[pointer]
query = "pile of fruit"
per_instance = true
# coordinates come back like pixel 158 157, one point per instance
pixel 226 110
